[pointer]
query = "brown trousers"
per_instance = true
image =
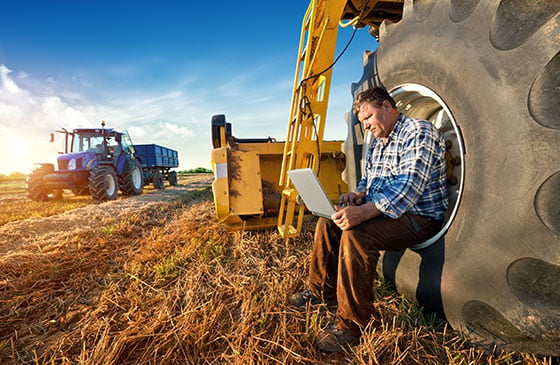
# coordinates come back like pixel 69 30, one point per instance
pixel 343 263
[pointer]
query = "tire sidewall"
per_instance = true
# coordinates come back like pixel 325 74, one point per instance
pixel 508 157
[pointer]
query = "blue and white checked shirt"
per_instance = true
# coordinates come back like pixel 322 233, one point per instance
pixel 407 174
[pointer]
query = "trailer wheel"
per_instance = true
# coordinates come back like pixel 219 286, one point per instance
pixel 103 183
pixel 35 187
pixel 172 178
pixel 157 180
pixel 494 68
pixel 131 182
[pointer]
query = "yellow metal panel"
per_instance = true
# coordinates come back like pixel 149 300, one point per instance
pixel 220 188
pixel 245 187
pixel 271 148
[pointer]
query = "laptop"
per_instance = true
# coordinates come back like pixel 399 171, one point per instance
pixel 311 192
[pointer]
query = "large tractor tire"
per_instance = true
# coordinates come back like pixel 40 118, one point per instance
pixel 131 181
pixel 487 73
pixel 103 183
pixel 36 189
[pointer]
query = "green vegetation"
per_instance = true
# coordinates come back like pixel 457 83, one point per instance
pixel 198 170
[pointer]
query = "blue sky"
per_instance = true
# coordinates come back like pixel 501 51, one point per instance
pixel 157 69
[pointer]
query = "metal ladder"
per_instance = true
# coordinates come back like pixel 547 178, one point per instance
pixel 308 108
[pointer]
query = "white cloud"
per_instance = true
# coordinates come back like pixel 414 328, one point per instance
pixel 26 118
pixel 8 85
pixel 30 109
pixel 175 116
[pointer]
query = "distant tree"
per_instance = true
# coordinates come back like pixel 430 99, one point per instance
pixel 199 170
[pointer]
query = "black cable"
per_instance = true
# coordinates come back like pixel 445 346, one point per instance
pixel 343 50
pixel 305 99
pixel 335 61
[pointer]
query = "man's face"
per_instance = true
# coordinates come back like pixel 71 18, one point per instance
pixel 376 120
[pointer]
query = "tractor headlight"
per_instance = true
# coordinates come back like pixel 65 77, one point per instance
pixel 72 164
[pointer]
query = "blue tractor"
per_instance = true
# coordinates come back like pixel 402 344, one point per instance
pixel 96 161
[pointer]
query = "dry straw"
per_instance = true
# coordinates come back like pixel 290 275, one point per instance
pixel 167 284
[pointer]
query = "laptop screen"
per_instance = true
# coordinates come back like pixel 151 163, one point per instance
pixel 312 192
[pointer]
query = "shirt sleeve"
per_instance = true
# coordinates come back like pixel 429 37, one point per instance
pixel 410 178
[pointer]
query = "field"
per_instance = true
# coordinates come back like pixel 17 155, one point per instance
pixel 155 279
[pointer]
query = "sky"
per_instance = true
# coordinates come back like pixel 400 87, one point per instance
pixel 158 69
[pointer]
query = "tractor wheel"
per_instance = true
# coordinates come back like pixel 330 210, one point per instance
pixel 172 178
pixel 487 74
pixel 157 180
pixel 131 181
pixel 35 187
pixel 103 183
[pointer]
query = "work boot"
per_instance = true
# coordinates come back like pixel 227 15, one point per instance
pixel 333 339
pixel 301 299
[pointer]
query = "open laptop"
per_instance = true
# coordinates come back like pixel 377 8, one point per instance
pixel 311 192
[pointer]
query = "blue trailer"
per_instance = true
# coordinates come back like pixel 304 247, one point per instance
pixel 157 162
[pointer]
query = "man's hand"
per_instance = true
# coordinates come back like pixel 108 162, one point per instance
pixel 350 216
pixel 352 199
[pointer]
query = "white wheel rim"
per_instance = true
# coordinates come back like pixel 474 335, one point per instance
pixel 136 178
pixel 110 185
pixel 420 102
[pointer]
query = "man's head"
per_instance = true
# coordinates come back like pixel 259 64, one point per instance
pixel 376 109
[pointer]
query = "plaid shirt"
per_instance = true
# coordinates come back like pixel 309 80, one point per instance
pixel 407 174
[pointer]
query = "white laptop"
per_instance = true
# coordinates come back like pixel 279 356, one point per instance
pixel 311 192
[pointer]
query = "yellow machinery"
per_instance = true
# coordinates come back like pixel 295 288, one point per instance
pixel 486 74
pixel 306 124
pixel 252 189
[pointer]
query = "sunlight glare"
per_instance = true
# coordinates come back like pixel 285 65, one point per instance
pixel 20 155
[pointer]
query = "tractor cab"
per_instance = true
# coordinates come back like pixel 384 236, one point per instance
pixel 104 143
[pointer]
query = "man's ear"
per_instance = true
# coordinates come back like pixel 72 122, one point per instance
pixel 387 105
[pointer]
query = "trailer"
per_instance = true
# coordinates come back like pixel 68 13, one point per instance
pixel 157 162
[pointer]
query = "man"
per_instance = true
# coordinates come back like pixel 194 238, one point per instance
pixel 400 202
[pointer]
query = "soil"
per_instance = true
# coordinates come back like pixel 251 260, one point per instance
pixel 29 232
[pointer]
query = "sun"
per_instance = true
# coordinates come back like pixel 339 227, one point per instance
pixel 20 154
